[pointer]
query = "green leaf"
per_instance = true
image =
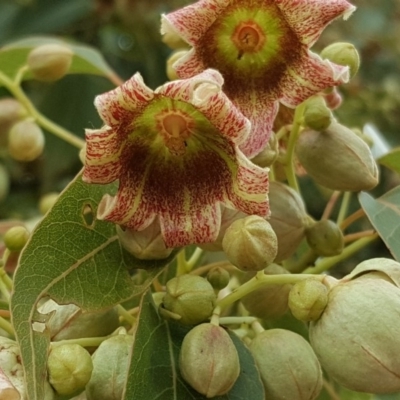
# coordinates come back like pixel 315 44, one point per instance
pixel 154 371
pixel 86 60
pixel 73 258
pixel 384 214
pixel 391 160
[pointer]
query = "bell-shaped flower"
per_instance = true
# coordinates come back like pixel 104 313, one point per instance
pixel 261 47
pixel 175 152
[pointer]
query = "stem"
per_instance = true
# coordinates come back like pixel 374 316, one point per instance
pixel 309 257
pixel 351 237
pixel 257 327
pixel 331 391
pixel 3 274
pixel 237 320
pixel 5 325
pixel 182 263
pixel 329 262
pixel 344 207
pixel 4 291
pixel 215 317
pixel 44 122
pixel 331 203
pixel 194 258
pixel 205 268
pixel 352 218
pixel 125 314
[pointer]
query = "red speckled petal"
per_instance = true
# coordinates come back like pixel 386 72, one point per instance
pixel 308 18
pixel 189 65
pixel 119 105
pixel 192 22
pixel 309 76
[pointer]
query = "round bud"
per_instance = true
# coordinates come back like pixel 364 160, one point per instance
pixel 317 115
pixel 191 297
pixel 175 56
pixel 25 141
pixel 47 202
pixel 308 299
pixel 50 62
pixel 70 367
pixel 11 111
pixel 270 301
pixel 343 54
pixel 147 244
pixel 208 360
pixel 218 277
pixel 110 368
pixel 337 158
pixel 325 238
pixel 15 238
pixel 288 218
pixel 250 243
pixel 287 364
pixel 269 154
pixel 4 182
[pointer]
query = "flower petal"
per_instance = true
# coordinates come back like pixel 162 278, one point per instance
pixel 308 18
pixel 192 21
pixel 309 76
pixel 117 106
pixel 189 65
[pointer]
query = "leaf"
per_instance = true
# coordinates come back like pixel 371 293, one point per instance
pixel 391 160
pixel 154 370
pixel 73 258
pixel 384 214
pixel 86 60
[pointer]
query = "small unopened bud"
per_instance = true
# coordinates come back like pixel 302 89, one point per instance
pixel 208 360
pixel 325 238
pixel 70 368
pixel 11 111
pixel 308 299
pixel 343 54
pixel 25 141
pixel 316 114
pixel 288 367
pixel 175 56
pixel 269 154
pixel 218 277
pixel 191 297
pixel 47 202
pixel 50 62
pixel 15 238
pixel 250 243
pixel 337 158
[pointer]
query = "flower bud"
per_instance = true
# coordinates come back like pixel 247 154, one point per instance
pixel 110 368
pixel 15 238
pixel 250 243
pixel 317 115
pixel 269 154
pixel 11 111
pixel 337 158
pixel 343 54
pixel 325 238
pixel 25 141
pixel 270 301
pixel 147 244
pixel 287 364
pixel 308 299
pixel 190 296
pixel 218 277
pixel 70 368
pixel 47 202
pixel 208 360
pixel 175 56
pixel 50 62
pixel 357 336
pixel 288 218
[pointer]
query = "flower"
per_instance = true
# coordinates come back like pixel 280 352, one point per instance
pixel 175 154
pixel 261 47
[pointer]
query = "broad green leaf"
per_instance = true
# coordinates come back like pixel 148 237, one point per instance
pixel 86 60
pixel 384 214
pixel 154 370
pixel 392 396
pixel 391 160
pixel 73 258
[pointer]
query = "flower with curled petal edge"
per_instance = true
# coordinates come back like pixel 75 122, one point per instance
pixel 175 153
pixel 261 47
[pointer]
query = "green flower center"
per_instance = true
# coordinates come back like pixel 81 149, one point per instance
pixel 248 37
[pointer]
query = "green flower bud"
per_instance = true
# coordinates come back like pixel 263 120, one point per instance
pixel 11 111
pixel 47 202
pixel 357 337
pixel 70 368
pixel 308 299
pixel 343 54
pixel 288 218
pixel 270 301
pixel 50 62
pixel 110 368
pixel 337 158
pixel 269 154
pixel 175 56
pixel 218 277
pixel 317 115
pixel 287 364
pixel 190 296
pixel 250 243
pixel 325 238
pixel 25 141
pixel 15 238
pixel 208 360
